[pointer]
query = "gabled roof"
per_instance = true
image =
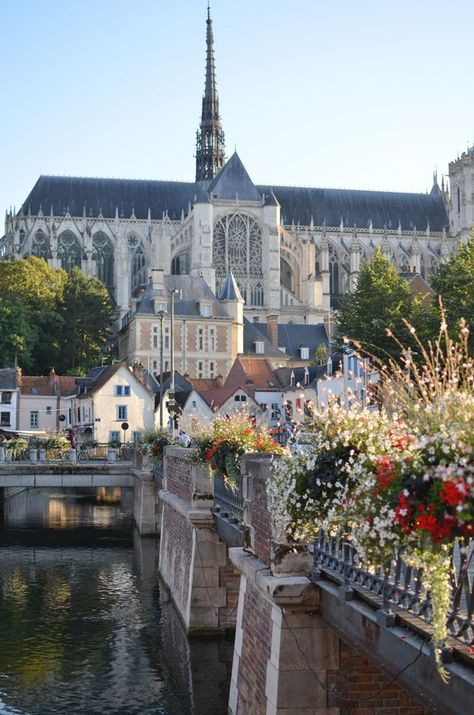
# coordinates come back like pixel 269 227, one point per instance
pixel 315 373
pixel 216 398
pixel 202 384
pixel 97 377
pixel 253 373
pixel 233 181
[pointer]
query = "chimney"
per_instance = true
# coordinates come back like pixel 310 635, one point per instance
pixel 139 372
pixel 220 379
pixel 157 279
pixel 272 328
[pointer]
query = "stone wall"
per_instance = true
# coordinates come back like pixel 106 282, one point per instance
pixel 194 560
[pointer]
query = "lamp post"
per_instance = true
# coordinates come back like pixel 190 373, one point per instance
pixel 171 392
pixel 161 315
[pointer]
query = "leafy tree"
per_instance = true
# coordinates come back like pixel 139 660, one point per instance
pixel 86 314
pixel 454 284
pixel 48 318
pixel 320 356
pixel 380 302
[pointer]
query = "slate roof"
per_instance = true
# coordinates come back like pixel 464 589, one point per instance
pixel 233 180
pixel 230 289
pixel 8 378
pixel 192 290
pixel 298 204
pixel 252 333
pixel 292 335
pixel 315 373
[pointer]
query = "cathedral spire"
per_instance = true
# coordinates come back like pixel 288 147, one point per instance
pixel 210 155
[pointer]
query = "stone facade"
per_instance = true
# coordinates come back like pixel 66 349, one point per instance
pixel 294 251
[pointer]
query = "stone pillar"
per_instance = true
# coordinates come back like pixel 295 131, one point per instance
pixel 193 559
pixel 354 265
pixel 144 499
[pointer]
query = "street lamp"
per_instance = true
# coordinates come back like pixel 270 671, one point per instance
pixel 161 315
pixel 171 392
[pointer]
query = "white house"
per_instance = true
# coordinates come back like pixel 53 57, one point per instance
pixel 9 393
pixel 111 405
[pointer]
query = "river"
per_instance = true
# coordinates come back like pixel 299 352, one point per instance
pixel 84 627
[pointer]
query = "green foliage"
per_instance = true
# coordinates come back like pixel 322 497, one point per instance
pixel 320 356
pixel 380 302
pixel 454 284
pixel 48 318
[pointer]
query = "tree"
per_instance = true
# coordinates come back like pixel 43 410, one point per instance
pixel 380 302
pixel 454 284
pixel 18 335
pixel 86 322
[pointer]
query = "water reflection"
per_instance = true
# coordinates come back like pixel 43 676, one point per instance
pixel 82 629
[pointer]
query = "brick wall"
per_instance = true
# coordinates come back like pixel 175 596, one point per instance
pixel 255 654
pixel 256 511
pixel 175 563
pixel 229 578
pixel 357 678
pixel 179 477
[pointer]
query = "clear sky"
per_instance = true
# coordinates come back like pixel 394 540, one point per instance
pixel 334 93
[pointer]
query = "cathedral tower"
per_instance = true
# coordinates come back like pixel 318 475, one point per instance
pixel 210 154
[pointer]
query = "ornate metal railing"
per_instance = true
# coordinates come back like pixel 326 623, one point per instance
pixel 398 588
pixel 228 502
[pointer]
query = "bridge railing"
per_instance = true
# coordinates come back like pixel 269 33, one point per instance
pixel 95 452
pixel 397 590
pixel 228 501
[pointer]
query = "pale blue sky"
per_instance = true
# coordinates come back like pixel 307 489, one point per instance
pixel 369 94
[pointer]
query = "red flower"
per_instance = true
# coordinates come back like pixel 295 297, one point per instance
pixel 385 471
pixel 453 493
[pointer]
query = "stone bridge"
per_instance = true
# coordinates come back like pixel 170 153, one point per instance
pixel 314 635
pixel 65 474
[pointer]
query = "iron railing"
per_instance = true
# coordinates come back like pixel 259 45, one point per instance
pixel 398 588
pixel 95 452
pixel 228 502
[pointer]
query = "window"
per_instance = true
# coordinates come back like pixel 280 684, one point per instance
pixel 212 340
pixel 200 369
pixel 6 398
pixel 167 365
pixel 49 410
pixel 114 436
pixel 167 339
pixel 69 416
pixel 136 436
pixel 259 347
pixel 304 352
pixel 155 336
pixel 200 339
pixel 194 404
pixel 78 414
pixel 240 398
pixel 155 366
pixel 121 412
pixel 298 404
pixel 205 310
pixel 122 390
pixel 5 419
pixel 212 369
pixel 34 418
pixel 458 193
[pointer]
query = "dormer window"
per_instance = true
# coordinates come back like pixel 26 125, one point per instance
pixel 282 349
pixel 205 309
pixel 259 347
pixel 304 352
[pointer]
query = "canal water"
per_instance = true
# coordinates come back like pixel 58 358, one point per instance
pixel 84 627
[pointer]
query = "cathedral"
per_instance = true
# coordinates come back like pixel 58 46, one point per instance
pixel 294 252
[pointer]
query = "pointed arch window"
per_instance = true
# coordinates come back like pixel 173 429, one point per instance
pixel 138 265
pixel 40 246
pixel 237 247
pixel 180 264
pixel 286 276
pixel 69 251
pixel 103 255
pixel 333 271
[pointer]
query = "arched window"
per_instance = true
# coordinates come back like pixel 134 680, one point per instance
pixel 286 275
pixel 237 247
pixel 138 268
pixel 103 255
pixel 333 271
pixel 180 265
pixel 458 194
pixel 40 246
pixel 69 251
